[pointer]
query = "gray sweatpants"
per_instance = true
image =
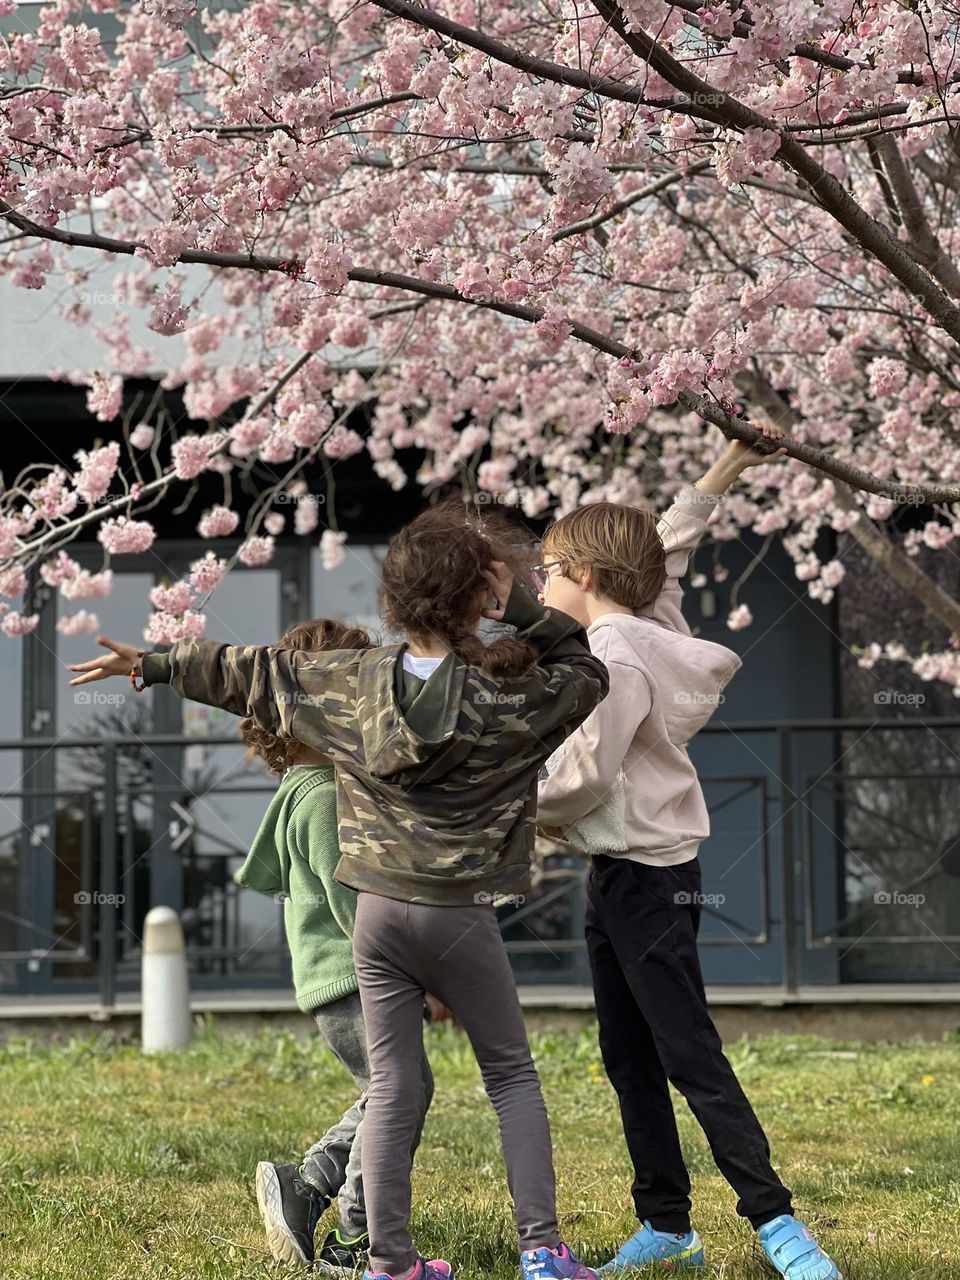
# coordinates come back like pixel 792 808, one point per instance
pixel 333 1164
pixel 400 951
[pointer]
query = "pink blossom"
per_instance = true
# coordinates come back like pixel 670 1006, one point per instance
pixel 331 548
pixel 937 535
pixel 172 599
pixel 219 522
pixel 306 514
pixel 887 377
pixel 580 174
pixel 169 315
pixel 496 475
pixel 474 281
pixel 141 437
pixel 739 618
pixel 257 551
pixel 51 497
pixel 191 454
pixel 833 573
pixel 327 266
pixel 206 574
pixel 105 397
pixel 9 535
pixel 553 329
pixel 125 536
pixel 173 12
pixel 273 522
pixel 13 581
pixel 80 623
pixel 97 469
pixel 306 425
pixel 342 443
pixel 19 624
pixel 350 330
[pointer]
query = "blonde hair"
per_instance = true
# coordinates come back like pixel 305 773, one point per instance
pixel 620 547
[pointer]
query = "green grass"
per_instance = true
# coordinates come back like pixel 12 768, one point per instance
pixel 114 1166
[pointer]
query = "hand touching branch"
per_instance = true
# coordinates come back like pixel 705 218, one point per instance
pixel 737 457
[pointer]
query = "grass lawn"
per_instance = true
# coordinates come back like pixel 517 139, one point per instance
pixel 114 1166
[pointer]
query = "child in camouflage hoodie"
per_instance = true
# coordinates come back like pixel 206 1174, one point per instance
pixel 437 742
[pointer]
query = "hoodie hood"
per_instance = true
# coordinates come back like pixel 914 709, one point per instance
pixel 415 731
pixel 688 673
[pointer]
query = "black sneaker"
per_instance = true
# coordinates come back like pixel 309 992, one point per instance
pixel 289 1218
pixel 344 1255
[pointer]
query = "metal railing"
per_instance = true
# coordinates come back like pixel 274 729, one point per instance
pixel 805 780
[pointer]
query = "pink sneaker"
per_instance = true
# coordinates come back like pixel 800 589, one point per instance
pixel 435 1269
pixel 553 1264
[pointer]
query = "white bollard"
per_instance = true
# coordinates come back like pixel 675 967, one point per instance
pixel 165 990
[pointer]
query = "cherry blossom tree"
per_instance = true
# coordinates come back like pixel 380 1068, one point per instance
pixel 563 242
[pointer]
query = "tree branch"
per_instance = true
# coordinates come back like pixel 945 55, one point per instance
pixel 733 428
pixel 929 251
pixel 832 196
pixel 882 550
pixel 650 189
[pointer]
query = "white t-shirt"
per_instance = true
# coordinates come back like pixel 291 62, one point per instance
pixel 422 667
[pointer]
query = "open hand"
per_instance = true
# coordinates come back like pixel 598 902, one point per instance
pixel 118 663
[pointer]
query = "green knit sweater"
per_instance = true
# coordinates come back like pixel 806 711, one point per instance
pixel 295 853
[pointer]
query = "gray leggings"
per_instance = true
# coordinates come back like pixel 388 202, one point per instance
pixel 401 950
pixel 333 1165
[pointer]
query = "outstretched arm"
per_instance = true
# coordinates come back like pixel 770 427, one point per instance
pixel 270 684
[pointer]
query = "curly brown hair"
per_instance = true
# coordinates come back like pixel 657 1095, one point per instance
pixel 432 584
pixel 278 754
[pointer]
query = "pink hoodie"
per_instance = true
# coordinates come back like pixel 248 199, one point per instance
pixel 623 784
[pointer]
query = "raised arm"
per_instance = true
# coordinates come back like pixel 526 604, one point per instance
pixel 568 681
pixel 685 523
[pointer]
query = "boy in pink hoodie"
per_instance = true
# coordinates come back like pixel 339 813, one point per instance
pixel 623 790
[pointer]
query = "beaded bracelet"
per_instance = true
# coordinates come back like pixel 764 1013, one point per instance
pixel 133 673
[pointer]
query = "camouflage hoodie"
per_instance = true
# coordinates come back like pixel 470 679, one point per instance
pixel 436 779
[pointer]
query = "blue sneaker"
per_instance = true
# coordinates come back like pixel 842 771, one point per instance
pixel 792 1250
pixel 553 1264
pixel 663 1247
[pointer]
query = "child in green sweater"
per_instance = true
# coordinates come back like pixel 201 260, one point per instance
pixel 293 857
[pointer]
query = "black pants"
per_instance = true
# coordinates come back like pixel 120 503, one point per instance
pixel 641 927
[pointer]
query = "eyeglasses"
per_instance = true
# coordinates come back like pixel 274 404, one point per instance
pixel 540 572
